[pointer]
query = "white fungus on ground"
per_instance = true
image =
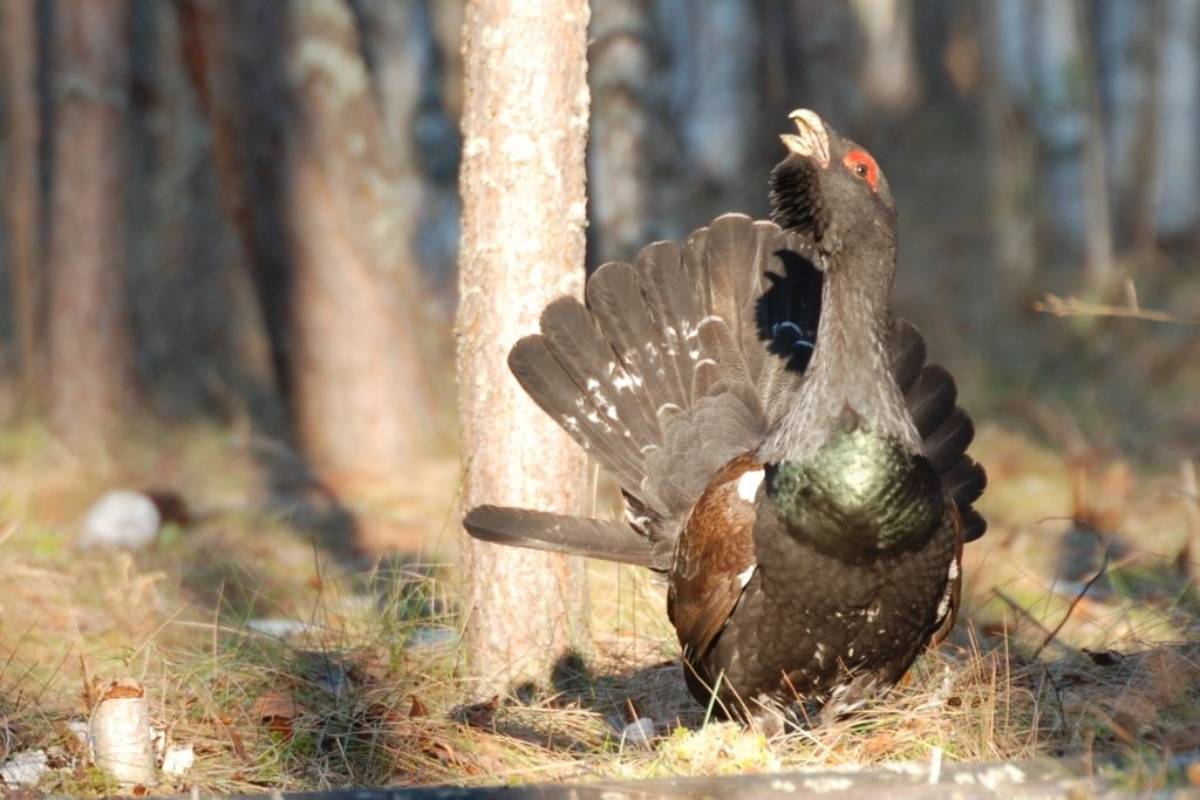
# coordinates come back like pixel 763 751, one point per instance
pixel 24 769
pixel 121 519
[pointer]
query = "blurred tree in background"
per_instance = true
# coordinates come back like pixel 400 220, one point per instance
pixel 326 207
pixel 248 211
pixel 22 190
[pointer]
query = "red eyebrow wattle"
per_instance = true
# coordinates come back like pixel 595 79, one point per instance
pixel 855 158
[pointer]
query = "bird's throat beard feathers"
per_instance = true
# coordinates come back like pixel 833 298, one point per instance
pixel 851 365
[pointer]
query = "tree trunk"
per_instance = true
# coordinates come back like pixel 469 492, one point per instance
pixel 618 168
pixel 890 74
pixel 1008 141
pixel 711 141
pixel 89 358
pixel 1177 205
pixel 324 207
pixel 410 70
pixel 1128 68
pixel 21 193
pixel 1101 270
pixel 360 395
pixel 525 124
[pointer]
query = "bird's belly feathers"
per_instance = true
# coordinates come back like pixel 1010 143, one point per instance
pixel 809 622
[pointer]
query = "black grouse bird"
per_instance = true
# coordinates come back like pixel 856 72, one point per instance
pixel 787 457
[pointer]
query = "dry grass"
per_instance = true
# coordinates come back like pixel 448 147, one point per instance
pixel 371 691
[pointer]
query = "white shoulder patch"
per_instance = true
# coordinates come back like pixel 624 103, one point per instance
pixel 745 575
pixel 748 484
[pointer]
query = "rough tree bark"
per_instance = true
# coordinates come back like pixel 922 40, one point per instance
pixel 524 124
pixel 21 193
pixel 323 206
pixel 89 364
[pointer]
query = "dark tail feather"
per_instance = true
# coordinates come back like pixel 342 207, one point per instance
pixel 965 481
pixel 615 299
pixel 947 443
pixel 579 345
pixel 931 399
pixel 558 533
pixel 673 302
pixel 908 355
pixel 946 430
pixel 974 525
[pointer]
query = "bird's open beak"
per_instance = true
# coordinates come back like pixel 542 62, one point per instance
pixel 812 140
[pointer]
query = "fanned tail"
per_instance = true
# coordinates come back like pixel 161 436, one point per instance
pixel 946 430
pixel 678 363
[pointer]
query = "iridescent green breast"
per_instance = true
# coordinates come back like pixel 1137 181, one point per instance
pixel 860 494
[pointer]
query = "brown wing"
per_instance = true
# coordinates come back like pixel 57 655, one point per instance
pixel 714 558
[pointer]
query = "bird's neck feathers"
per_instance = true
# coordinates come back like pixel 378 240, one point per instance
pixel 850 370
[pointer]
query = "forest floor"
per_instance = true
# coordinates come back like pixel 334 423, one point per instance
pixel 288 664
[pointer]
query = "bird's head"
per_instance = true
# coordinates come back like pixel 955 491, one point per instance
pixel 829 189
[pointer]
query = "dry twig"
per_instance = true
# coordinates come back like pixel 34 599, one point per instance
pixel 1074 307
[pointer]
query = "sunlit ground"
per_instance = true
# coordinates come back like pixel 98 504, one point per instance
pixel 358 678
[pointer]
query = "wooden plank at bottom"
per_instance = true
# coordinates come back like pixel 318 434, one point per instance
pixel 1068 779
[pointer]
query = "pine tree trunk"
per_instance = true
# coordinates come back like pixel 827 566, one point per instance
pixel 325 208
pixel 1177 205
pixel 1008 140
pixel 360 396
pixel 524 124
pixel 618 159
pixel 21 191
pixel 90 358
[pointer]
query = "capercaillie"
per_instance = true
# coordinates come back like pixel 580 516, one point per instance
pixel 787 457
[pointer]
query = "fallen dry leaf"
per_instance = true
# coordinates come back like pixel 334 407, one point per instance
pixel 274 706
pixel 276 711
pixel 123 689
pixel 480 715
pixel 879 744
pixel 999 629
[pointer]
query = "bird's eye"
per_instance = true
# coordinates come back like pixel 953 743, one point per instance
pixel 860 163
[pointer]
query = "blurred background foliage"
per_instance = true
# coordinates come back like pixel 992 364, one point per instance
pixel 246 213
